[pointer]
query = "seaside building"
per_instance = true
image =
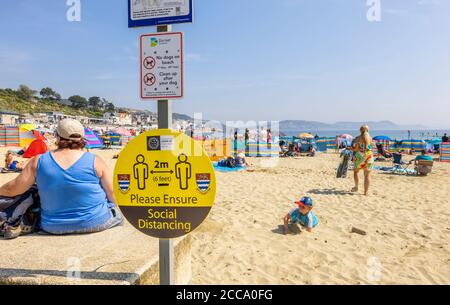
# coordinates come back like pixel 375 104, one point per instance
pixel 125 119
pixel 111 118
pixel 9 117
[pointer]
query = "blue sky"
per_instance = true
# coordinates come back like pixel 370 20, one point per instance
pixel 248 59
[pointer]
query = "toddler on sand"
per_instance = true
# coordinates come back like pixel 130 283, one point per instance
pixel 302 215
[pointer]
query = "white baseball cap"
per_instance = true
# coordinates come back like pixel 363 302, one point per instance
pixel 70 129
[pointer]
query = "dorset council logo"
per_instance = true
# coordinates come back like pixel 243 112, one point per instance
pixel 153 42
pixel 124 183
pixel 203 182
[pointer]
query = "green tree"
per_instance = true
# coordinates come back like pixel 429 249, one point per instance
pixel 50 94
pixel 110 107
pixel 25 93
pixel 94 102
pixel 78 102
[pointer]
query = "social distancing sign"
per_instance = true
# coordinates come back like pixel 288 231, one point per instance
pixel 164 183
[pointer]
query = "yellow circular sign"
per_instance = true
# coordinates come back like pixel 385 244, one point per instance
pixel 164 183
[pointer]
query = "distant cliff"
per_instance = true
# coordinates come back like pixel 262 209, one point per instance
pixel 300 125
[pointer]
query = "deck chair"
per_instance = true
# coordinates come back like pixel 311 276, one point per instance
pixel 107 143
pixel 423 167
pixel 382 152
pixel 399 165
pixel 436 148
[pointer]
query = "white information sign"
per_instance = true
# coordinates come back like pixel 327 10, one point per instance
pixel 162 66
pixel 145 9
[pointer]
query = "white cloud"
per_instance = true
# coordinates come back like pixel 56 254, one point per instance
pixel 194 57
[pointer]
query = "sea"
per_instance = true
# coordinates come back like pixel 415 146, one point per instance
pixel 393 134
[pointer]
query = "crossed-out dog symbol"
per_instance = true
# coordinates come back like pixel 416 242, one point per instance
pixel 149 79
pixel 149 62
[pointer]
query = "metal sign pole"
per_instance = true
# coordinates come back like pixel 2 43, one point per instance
pixel 166 275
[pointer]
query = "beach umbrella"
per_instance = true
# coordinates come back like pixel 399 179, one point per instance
pixel 382 138
pixel 346 136
pixel 122 131
pixel 28 127
pixel 305 136
pixel 435 141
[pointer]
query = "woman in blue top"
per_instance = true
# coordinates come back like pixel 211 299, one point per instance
pixel 75 187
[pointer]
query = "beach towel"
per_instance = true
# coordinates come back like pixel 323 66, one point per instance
pixel 225 169
pixel 346 156
pixel 5 170
pixel 394 169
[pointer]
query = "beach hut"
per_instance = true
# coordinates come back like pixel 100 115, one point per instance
pixel 92 139
pixel 445 152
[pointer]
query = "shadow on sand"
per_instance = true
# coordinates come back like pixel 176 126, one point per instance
pixel 293 227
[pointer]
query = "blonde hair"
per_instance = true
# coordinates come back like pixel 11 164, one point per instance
pixel 365 136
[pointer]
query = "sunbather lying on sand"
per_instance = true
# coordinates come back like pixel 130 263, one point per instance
pixel 13 165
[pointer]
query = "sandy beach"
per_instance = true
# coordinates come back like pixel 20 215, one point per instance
pixel 406 219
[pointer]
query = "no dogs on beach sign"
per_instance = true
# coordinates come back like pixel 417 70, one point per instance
pixel 162 66
pixel 164 183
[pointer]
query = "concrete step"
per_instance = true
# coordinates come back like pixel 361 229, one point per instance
pixel 119 256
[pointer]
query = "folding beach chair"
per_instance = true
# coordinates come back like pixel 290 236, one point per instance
pixel 436 148
pixel 423 167
pixel 107 143
pixel 399 165
pixel 382 152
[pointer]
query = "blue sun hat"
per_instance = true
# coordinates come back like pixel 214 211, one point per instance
pixel 305 202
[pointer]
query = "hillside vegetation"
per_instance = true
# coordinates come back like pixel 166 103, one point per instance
pixel 10 100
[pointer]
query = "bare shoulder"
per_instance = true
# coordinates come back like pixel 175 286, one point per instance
pixel 99 166
pixel 29 172
pixel 33 163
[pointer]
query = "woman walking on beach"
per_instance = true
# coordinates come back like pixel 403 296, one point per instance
pixel 75 187
pixel 362 147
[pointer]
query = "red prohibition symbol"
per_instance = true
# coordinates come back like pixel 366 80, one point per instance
pixel 149 79
pixel 149 63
